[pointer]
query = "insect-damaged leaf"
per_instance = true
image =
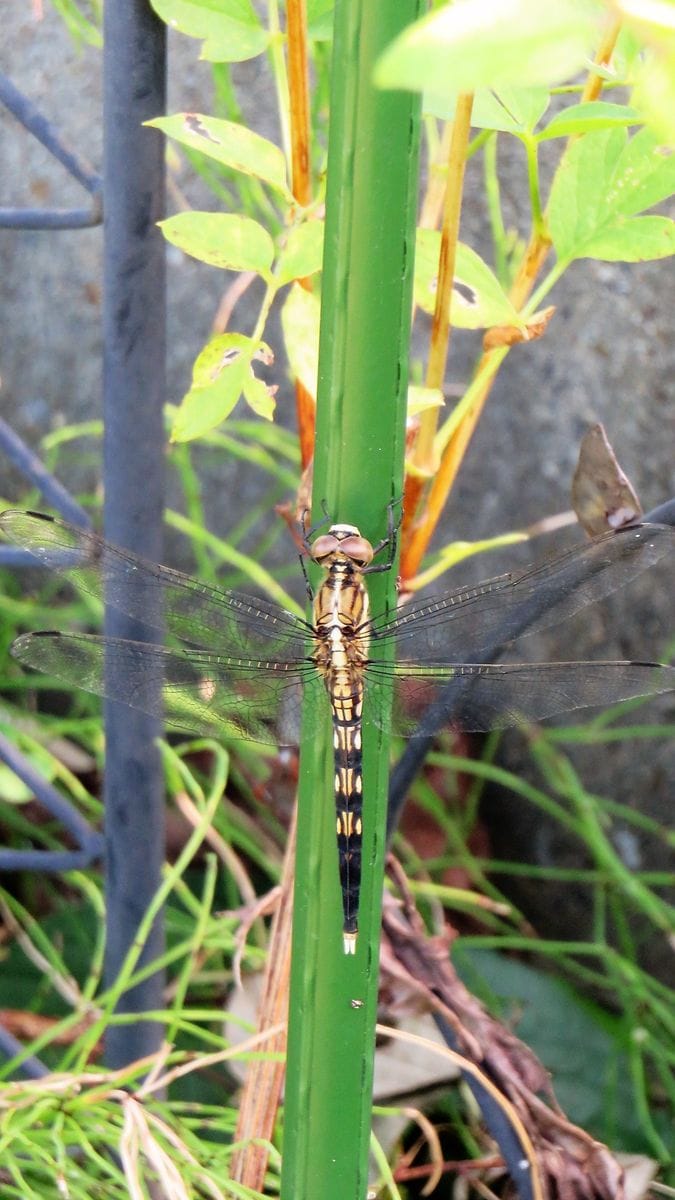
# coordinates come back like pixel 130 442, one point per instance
pixel 220 374
pixel 222 240
pixel 478 299
pixel 229 143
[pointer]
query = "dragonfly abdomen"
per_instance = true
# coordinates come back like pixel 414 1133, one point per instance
pixel 348 809
pixel 341 629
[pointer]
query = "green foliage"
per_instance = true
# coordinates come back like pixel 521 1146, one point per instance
pixel 233 145
pixel 231 30
pixel 605 179
pixel 606 182
pixel 488 43
pixel 478 300
pixel 83 26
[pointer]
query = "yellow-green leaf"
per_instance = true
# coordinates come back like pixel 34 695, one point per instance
pixel 300 324
pixel 585 118
pixel 219 376
pixel 230 29
pixel 478 299
pixel 302 252
pixel 605 178
pixel 475 44
pixel 221 239
pixel 233 145
pixel 507 109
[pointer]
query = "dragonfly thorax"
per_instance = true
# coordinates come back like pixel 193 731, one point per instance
pixel 342 542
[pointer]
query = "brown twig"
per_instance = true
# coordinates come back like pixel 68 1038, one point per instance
pixel 264 1081
pixel 489 363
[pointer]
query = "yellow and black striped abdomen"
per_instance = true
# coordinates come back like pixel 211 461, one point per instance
pixel 348 806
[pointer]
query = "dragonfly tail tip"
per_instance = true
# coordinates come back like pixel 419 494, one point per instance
pixel 349 941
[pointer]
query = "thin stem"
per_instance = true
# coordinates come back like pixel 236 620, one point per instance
pixel 494 205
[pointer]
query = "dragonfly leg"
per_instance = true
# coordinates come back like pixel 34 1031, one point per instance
pixel 390 541
pixel 307 531
pixel 308 587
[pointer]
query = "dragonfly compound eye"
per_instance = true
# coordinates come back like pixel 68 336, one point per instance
pixel 324 546
pixel 358 549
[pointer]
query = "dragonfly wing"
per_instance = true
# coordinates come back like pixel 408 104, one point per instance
pixel 475 696
pixel 193 690
pixel 470 622
pixel 192 611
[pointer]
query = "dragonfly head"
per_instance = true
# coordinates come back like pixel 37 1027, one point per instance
pixel 344 540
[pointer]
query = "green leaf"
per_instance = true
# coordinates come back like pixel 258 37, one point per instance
pixel 220 374
pixel 604 178
pixel 301 255
pixel 421 399
pixel 491 43
pixel 233 145
pixel 260 397
pixel 221 239
pixel 300 324
pixel 230 29
pixel 633 239
pixel 586 118
pixel 507 110
pixel 478 299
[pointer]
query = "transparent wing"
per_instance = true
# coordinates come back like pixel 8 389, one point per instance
pixel 462 625
pixel 194 612
pixel 190 689
pixel 475 696
pixel 247 679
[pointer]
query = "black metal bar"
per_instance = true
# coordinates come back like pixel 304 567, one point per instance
pixel 53 862
pixel 34 470
pixel 54 802
pixel 134 75
pixel 50 218
pixel 37 124
pixel 11 1048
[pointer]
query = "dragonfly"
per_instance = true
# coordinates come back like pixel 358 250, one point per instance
pixel 241 665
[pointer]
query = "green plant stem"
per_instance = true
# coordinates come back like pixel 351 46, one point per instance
pixel 494 207
pixel 366 305
pixel 531 151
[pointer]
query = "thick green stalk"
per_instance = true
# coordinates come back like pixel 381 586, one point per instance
pixel 366 306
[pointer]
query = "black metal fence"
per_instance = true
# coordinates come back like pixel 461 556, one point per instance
pixel 129 198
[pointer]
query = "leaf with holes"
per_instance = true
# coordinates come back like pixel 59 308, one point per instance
pixel 478 299
pixel 220 374
pixel 228 143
